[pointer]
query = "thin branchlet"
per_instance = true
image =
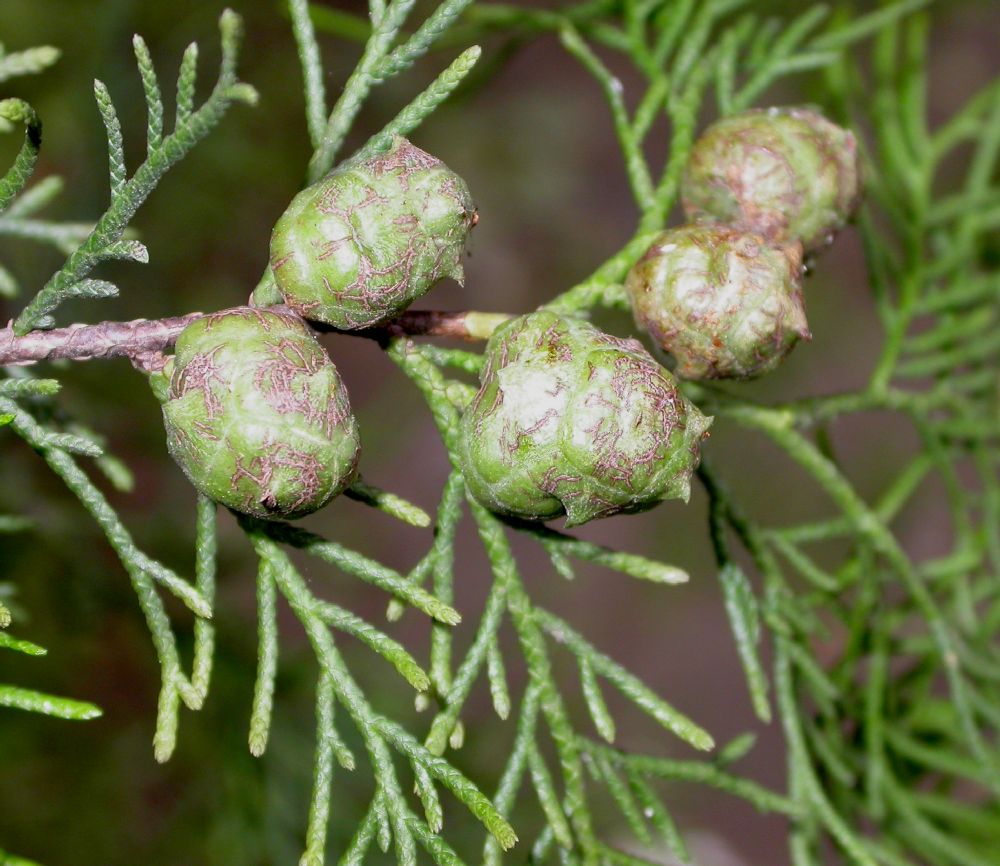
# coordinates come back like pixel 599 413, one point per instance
pixel 143 341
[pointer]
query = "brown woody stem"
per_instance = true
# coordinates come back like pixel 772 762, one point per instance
pixel 143 341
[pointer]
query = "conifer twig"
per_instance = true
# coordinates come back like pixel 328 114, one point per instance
pixel 142 341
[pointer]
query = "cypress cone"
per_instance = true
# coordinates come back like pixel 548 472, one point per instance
pixel 256 414
pixel 726 304
pixel 361 245
pixel 788 174
pixel 570 420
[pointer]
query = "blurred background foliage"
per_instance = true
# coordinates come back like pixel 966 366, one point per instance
pixel 532 137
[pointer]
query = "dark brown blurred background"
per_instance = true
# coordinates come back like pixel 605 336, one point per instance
pixel 536 146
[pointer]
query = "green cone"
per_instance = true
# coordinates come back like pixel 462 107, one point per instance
pixel 257 415
pixel 361 245
pixel 570 420
pixel 786 173
pixel 724 303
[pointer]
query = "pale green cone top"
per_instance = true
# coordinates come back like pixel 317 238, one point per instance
pixel 257 415
pixel 570 420
pixel 725 303
pixel 786 173
pixel 362 244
